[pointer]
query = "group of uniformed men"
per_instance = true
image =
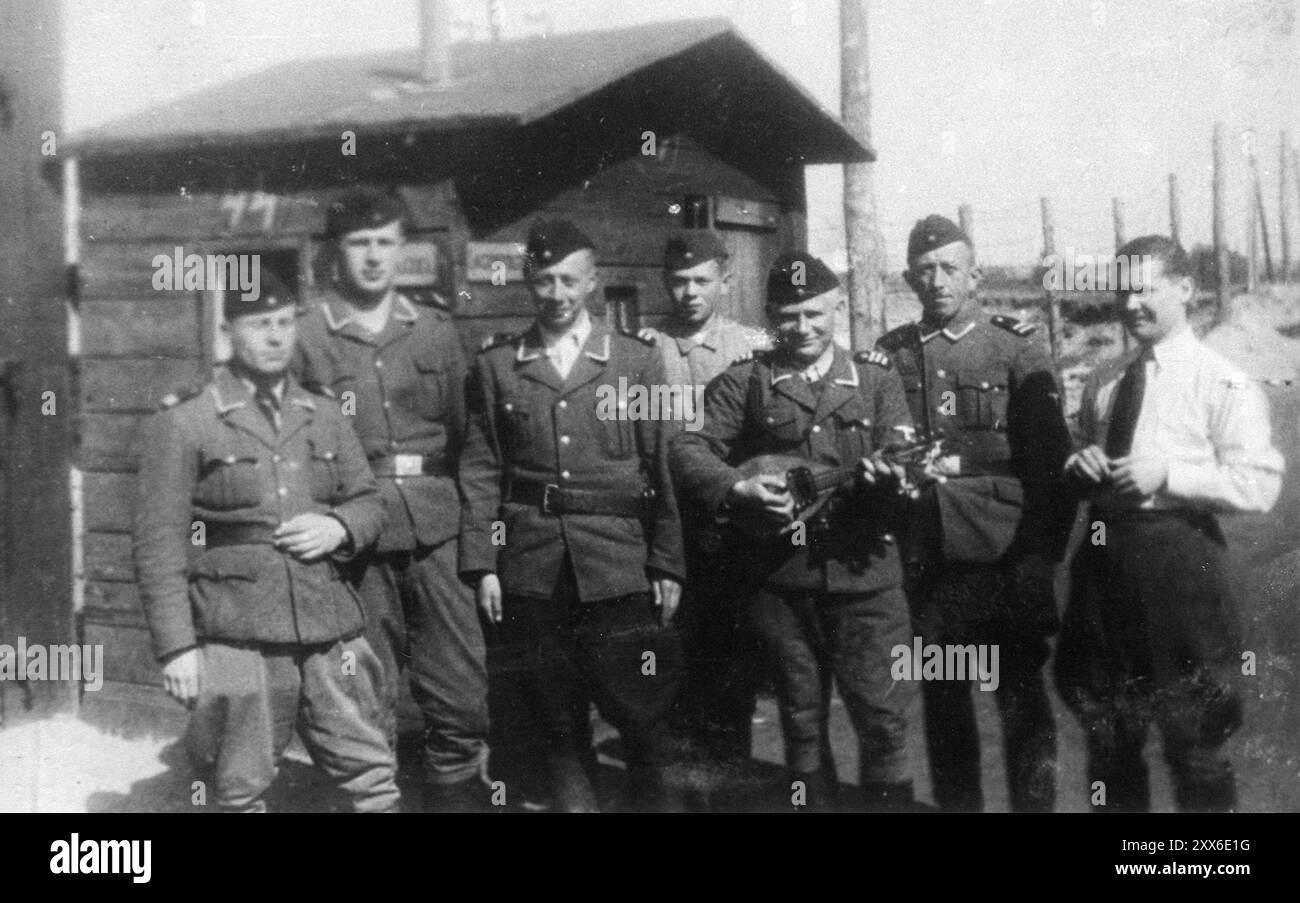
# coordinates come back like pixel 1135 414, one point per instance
pixel 349 501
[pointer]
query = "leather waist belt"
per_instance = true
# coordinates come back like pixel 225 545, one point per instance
pixel 407 466
pixel 239 535
pixel 555 499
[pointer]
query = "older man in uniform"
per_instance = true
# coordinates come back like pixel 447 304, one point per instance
pixel 251 491
pixel 1172 435
pixel 570 529
pixel 983 544
pixel 830 601
pixel 398 371
pixel 715 708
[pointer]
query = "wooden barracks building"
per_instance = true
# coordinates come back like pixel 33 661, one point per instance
pixel 631 133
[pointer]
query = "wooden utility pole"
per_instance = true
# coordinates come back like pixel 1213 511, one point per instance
pixel 1175 212
pixel 1053 302
pixel 1222 274
pixel 1283 233
pixel 1263 221
pixel 861 222
pixel 1117 214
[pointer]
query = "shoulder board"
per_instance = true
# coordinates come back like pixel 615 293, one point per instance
pixel 1012 325
pixel 439 306
pixel 646 340
pixel 172 399
pixel 758 355
pixel 897 338
pixel 879 358
pixel 497 340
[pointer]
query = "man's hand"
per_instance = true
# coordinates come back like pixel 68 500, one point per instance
pixel 668 595
pixel 1089 464
pixel 764 491
pixel 488 593
pixel 875 469
pixel 1138 476
pixel 311 536
pixel 182 675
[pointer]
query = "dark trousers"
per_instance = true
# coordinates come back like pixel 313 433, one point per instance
pixel 252 698
pixel 940 609
pixel 549 659
pixel 1151 635
pixel 814 637
pixel 715 708
pixel 422 620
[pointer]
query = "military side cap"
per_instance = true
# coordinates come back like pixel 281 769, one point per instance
pixel 552 240
pixel 797 276
pixel 933 232
pixel 363 208
pixel 692 247
pixel 271 294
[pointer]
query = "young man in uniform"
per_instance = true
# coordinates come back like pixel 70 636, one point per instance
pixel 983 545
pixel 715 708
pixel 830 601
pixel 1172 434
pixel 399 372
pixel 250 492
pixel 570 531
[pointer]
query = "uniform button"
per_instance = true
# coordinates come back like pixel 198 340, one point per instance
pixel 564 474
pixel 984 385
pixel 276 459
pixel 283 491
pixel 393 444
pixel 388 404
pixel 940 374
pixel 565 440
pixel 397 481
pixel 817 429
pixel 509 407
pixel 562 405
pixel 771 420
pixel 379 365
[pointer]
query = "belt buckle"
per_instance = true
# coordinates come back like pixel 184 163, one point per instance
pixel 408 465
pixel 546 497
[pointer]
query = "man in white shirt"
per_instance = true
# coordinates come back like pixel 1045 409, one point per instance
pixel 1172 434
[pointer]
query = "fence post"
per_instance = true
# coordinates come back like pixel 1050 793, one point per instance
pixel 1053 302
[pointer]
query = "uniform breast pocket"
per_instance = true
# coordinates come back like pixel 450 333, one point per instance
pixel 853 430
pixel 515 422
pixel 983 404
pixel 229 481
pixel 782 427
pixel 323 472
pixel 431 375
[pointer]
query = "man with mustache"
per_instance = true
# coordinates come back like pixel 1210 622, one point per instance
pixel 570 532
pixel 982 545
pixel 252 491
pixel 1172 435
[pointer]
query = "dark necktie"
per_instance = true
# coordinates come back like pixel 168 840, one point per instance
pixel 1128 405
pixel 269 406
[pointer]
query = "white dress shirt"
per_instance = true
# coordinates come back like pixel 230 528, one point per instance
pixel 563 348
pixel 820 367
pixel 1204 418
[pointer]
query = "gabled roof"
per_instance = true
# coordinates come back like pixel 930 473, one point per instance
pixel 506 83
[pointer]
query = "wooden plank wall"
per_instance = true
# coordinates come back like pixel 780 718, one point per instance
pixel 139 344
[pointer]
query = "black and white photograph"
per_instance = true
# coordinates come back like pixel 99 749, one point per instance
pixel 542 406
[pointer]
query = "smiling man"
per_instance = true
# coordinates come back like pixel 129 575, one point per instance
pixel 259 633
pixel 1172 435
pixel 983 544
pixel 570 532
pixel 824 596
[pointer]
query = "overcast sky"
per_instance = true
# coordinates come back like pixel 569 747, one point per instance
pixel 991 102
